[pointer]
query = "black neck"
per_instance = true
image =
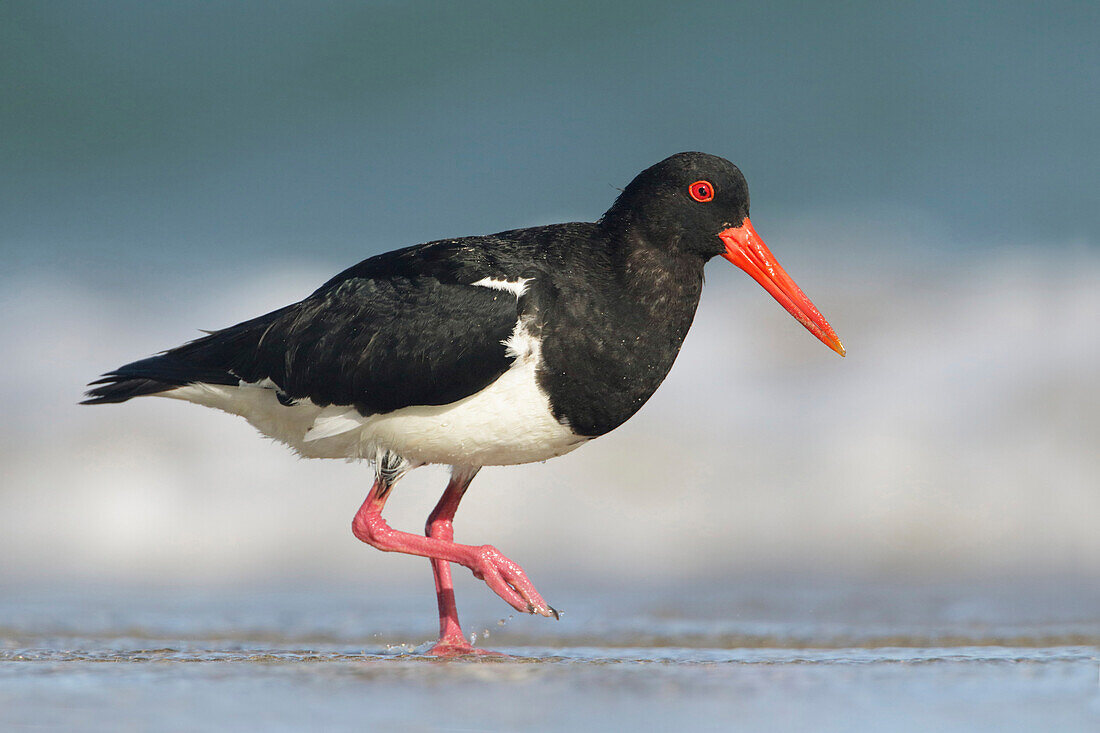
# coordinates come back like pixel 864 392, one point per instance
pixel 608 352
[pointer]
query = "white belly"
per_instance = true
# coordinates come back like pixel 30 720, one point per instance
pixel 507 422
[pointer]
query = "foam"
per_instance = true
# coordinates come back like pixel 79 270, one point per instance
pixel 959 435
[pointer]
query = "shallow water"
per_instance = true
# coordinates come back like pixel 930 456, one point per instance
pixel 763 653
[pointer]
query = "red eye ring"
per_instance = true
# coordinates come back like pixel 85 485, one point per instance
pixel 701 191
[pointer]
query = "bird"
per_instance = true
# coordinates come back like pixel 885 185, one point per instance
pixel 490 350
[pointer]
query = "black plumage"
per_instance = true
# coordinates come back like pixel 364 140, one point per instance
pixel 611 302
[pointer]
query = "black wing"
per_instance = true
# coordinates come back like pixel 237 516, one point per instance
pixel 376 342
pixel 383 344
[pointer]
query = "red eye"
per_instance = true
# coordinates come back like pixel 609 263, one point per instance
pixel 701 191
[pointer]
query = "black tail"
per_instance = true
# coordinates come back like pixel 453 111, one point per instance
pixel 153 375
pixel 223 357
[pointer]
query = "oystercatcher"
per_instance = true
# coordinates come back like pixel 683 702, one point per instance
pixel 480 351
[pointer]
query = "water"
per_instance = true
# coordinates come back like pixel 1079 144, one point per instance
pixel 161 568
pixel 152 554
pixel 178 134
pixel 765 653
pixel 927 174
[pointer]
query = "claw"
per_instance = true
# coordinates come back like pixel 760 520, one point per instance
pixel 530 607
pixel 554 612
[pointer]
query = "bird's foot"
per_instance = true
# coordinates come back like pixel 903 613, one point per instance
pixel 507 579
pixel 449 650
pixel 452 644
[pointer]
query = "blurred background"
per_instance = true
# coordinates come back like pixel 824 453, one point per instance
pixel 927 172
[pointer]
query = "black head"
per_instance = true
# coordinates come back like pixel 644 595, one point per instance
pixel 682 203
pixel 694 206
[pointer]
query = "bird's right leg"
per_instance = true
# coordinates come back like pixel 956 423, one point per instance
pixel 503 576
pixel 440 526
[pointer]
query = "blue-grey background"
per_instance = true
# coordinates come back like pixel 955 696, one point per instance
pixel 927 171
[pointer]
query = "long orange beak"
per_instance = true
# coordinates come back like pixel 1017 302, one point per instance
pixel 747 250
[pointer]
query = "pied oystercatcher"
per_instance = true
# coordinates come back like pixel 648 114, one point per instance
pixel 491 350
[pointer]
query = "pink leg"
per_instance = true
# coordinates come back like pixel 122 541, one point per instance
pixel 439 526
pixel 504 577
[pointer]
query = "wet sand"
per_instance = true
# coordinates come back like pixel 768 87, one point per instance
pixel 759 654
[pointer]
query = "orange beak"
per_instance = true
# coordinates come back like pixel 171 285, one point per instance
pixel 747 250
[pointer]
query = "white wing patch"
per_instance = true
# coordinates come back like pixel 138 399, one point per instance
pixel 515 287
